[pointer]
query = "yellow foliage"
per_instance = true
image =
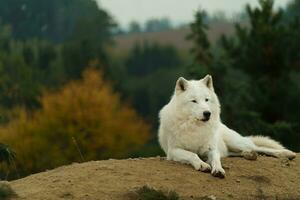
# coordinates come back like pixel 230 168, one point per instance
pixel 87 110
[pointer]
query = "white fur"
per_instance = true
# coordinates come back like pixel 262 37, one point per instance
pixel 185 137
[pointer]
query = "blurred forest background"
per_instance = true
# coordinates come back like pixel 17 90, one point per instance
pixel 75 86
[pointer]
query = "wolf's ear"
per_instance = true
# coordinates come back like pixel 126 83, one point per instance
pixel 208 81
pixel 181 85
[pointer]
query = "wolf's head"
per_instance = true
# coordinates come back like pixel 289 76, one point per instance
pixel 196 99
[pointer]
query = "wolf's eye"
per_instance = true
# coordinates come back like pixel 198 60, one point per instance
pixel 206 99
pixel 194 101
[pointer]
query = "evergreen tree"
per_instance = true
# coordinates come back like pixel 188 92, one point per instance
pixel 201 48
pixel 56 20
pixel 257 71
pixel 134 27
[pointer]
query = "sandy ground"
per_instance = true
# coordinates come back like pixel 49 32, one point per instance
pixel 266 178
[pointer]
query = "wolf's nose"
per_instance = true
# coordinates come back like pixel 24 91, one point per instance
pixel 206 114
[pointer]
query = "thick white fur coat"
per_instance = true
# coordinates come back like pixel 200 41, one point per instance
pixel 187 135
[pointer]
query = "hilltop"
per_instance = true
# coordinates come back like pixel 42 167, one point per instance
pixel 265 178
pixel 175 37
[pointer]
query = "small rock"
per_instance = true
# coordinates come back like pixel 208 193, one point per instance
pixel 162 158
pixel 225 167
pixel 210 197
pixel 285 162
pixel 66 195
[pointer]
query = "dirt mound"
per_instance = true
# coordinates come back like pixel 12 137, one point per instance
pixel 265 178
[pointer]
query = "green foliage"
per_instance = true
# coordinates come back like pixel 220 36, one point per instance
pixel 200 50
pixel 7 155
pixel 6 192
pixel 292 10
pixel 29 65
pixel 134 27
pixel 56 20
pixel 18 70
pixel 141 84
pixel 148 193
pixel 148 58
pixel 146 78
pixel 30 61
pixel 255 71
pixel 26 67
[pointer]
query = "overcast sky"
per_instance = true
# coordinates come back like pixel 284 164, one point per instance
pixel 180 11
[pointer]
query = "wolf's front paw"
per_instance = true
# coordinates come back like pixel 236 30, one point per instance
pixel 218 172
pixel 204 167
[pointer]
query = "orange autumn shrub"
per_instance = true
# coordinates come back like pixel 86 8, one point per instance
pixel 85 117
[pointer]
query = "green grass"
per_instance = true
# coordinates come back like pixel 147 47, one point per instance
pixel 6 192
pixel 147 193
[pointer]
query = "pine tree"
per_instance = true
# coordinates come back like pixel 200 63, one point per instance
pixel 257 70
pixel 201 48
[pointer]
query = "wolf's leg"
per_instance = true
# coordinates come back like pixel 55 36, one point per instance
pixel 246 148
pixel 214 160
pixel 249 152
pixel 278 153
pixel 239 144
pixel 184 156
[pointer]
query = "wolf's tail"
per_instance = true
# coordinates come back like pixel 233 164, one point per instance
pixel 264 141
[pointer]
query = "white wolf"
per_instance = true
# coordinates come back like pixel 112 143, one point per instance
pixel 190 129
